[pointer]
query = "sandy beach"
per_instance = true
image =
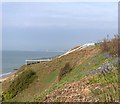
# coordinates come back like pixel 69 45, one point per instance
pixel 3 79
pixel 7 76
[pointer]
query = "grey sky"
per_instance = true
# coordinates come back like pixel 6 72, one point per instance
pixel 56 26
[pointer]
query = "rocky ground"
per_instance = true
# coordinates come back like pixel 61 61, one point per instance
pixel 75 92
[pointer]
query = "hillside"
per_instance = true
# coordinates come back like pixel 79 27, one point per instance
pixel 76 76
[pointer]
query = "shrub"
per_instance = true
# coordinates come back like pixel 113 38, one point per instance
pixel 111 46
pixel 19 84
pixel 105 45
pixel 66 69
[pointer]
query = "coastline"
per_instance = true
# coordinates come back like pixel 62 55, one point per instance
pixel 5 76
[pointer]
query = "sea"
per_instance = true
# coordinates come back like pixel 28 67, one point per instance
pixel 12 60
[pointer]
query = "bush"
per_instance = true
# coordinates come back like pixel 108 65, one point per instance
pixel 111 46
pixel 19 84
pixel 105 45
pixel 66 69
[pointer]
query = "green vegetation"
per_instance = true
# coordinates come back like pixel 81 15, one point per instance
pixel 74 75
pixel 19 84
pixel 108 87
pixel 83 70
pixel 51 77
pixel 65 70
pixel 103 80
pixel 96 65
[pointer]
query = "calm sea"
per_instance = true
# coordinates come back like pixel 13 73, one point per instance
pixel 14 59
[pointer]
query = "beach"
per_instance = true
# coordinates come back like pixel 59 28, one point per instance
pixel 3 79
pixel 6 76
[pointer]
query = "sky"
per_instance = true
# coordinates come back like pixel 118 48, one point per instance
pixel 54 26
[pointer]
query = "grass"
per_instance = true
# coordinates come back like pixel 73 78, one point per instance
pixel 64 71
pixel 104 80
pixel 47 73
pixel 51 77
pixel 108 84
pixel 108 89
pixel 75 75
pixel 106 94
pixel 19 84
pixel 81 71
pixel 82 62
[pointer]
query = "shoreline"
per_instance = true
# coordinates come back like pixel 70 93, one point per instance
pixel 5 76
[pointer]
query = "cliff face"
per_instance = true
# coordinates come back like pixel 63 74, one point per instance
pixel 84 79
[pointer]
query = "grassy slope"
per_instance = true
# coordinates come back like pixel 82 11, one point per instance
pixel 46 82
pixel 47 73
pixel 79 73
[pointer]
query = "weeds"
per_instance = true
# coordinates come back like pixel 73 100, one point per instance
pixel 19 84
pixel 110 46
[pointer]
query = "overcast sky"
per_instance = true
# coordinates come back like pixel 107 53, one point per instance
pixel 56 26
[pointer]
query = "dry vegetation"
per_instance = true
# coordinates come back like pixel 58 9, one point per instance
pixel 71 77
pixel 111 46
pixel 48 72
